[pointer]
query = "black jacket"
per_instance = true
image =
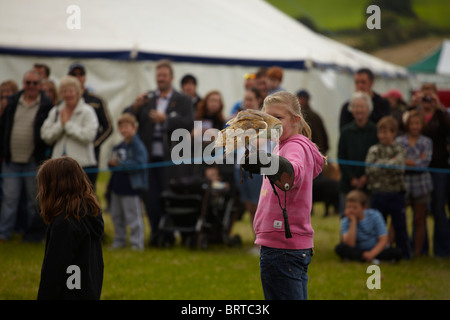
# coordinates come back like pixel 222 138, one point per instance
pixel 179 115
pixel 41 149
pixel 381 108
pixel 438 130
pixel 72 243
pixel 105 126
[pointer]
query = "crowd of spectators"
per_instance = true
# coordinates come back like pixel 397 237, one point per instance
pixel 379 135
pixel 398 154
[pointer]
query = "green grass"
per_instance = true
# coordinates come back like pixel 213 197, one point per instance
pixel 226 273
pixel 334 16
pixel 435 12
pixel 326 14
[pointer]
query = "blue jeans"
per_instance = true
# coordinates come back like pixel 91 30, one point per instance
pixel 12 187
pixel 393 203
pixel 250 189
pixel 284 273
pixel 441 237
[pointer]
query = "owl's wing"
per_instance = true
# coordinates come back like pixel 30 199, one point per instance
pixel 248 124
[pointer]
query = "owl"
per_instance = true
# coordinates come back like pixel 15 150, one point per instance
pixel 247 126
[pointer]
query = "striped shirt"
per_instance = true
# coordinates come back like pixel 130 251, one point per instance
pixel 22 134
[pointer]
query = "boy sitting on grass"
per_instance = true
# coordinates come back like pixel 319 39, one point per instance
pixel 364 234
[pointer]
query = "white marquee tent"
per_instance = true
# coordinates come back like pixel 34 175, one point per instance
pixel 216 40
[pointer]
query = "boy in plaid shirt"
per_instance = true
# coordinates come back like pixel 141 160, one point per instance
pixel 387 185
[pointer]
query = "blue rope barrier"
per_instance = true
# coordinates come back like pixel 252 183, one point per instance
pixel 387 166
pixel 202 160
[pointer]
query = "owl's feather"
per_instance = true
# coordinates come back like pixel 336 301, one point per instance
pixel 246 126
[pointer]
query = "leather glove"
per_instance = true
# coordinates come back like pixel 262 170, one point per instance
pixel 282 175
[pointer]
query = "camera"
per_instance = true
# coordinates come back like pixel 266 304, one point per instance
pixel 427 99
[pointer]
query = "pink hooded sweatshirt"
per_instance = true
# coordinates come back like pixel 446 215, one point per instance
pixel 268 223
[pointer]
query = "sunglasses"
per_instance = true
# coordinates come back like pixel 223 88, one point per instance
pixel 29 83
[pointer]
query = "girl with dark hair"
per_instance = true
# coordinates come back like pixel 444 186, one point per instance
pixel 73 259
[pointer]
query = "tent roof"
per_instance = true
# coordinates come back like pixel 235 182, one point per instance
pixel 243 32
pixel 437 62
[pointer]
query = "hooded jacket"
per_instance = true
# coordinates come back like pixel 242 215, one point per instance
pixel 73 249
pixel 268 223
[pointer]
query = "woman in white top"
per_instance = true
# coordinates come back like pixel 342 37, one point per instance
pixel 71 126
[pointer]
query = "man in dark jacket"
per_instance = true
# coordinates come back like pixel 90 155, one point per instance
pixel 22 149
pixel 364 80
pixel 159 113
pixel 319 132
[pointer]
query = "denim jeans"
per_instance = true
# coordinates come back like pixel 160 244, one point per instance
pixel 152 198
pixel 441 237
pixel 284 273
pixel 12 187
pixel 393 203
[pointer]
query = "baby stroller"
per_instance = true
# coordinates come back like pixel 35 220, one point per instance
pixel 199 210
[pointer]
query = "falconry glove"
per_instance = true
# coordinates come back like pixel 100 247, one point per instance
pixel 283 178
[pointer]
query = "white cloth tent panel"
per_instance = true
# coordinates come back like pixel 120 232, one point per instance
pixel 217 41
pixel 443 66
pixel 213 29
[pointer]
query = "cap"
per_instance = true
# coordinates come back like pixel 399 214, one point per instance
pixel 394 93
pixel 76 65
pixel 303 93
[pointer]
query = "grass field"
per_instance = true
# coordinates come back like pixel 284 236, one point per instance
pixel 229 273
pixel 333 16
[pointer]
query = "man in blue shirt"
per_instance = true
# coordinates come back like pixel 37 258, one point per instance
pixel 364 234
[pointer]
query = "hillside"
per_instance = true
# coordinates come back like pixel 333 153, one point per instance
pixel 335 16
pixel 403 40
pixel 409 53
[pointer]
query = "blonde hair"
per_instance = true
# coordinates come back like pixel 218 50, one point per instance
pixel 70 81
pixel 127 118
pixel 11 84
pixel 293 106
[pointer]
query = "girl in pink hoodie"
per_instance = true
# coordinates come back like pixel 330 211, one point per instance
pixel 283 219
